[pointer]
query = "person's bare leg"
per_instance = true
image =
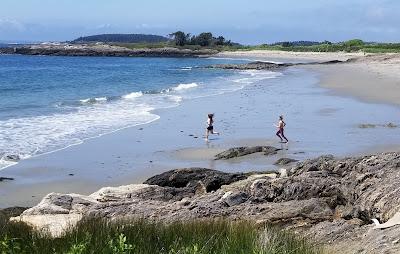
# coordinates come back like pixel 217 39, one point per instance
pixel 283 135
pixel 207 131
pixel 278 134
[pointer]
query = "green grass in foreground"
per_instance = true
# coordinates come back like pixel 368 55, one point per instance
pixel 101 236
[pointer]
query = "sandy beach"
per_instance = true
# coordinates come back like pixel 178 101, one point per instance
pixel 372 77
pixel 331 97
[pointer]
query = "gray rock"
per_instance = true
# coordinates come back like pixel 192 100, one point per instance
pixel 233 199
pixel 331 200
pixel 284 161
pixel 208 179
pixel 244 150
pixel 6 179
pixel 258 65
pixel 12 211
pixel 12 157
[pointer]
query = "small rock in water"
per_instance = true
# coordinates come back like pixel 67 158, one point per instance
pixel 191 135
pixel 366 125
pixel 195 137
pixel 12 157
pixel 71 174
pixel 6 178
pixel 140 129
pixel 242 151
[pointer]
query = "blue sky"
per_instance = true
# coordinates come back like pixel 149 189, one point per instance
pixel 248 22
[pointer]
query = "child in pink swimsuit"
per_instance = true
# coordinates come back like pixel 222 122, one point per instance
pixel 280 126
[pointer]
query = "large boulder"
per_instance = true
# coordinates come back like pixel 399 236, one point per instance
pixel 194 178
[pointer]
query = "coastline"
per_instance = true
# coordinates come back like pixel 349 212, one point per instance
pixel 371 82
pixel 313 197
pixel 134 154
pixel 371 77
pixel 66 49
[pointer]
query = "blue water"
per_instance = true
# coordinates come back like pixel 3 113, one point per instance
pixel 49 103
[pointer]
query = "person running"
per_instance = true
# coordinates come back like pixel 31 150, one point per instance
pixel 281 125
pixel 210 127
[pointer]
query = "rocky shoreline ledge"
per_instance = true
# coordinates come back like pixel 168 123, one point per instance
pixel 65 49
pixel 263 65
pixel 332 201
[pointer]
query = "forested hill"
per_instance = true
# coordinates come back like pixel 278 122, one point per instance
pixel 123 38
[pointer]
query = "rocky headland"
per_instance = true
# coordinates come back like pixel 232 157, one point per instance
pixel 65 49
pixel 349 205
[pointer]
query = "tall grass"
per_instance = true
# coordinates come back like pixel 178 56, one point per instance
pixel 143 237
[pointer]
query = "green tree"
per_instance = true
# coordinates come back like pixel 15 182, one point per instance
pixel 287 44
pixel 220 40
pixel 354 43
pixel 204 39
pixel 180 38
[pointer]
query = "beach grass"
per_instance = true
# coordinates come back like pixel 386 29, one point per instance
pixel 143 237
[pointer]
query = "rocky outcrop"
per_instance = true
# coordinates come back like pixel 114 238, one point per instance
pixel 12 211
pixel 259 65
pixel 195 179
pixel 64 49
pixel 246 150
pixel 331 200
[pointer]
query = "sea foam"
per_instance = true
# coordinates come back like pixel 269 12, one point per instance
pixel 181 87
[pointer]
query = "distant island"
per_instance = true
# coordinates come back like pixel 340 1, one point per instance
pixel 182 44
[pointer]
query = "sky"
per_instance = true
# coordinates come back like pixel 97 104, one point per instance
pixel 246 22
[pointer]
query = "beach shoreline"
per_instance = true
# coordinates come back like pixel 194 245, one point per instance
pixel 372 77
pixel 134 154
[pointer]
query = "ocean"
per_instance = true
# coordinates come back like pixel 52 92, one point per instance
pixel 50 103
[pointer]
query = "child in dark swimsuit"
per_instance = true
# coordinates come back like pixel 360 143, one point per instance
pixel 280 126
pixel 210 127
